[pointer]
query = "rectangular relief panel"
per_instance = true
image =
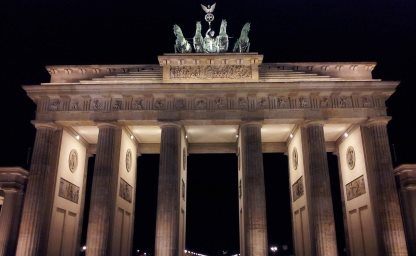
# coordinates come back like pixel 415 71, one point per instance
pixel 68 191
pixel 126 190
pixel 297 189
pixel 355 188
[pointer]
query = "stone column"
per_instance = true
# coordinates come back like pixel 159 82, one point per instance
pixel 12 182
pixel 167 242
pixel 254 222
pixel 318 190
pixel 383 193
pixel 104 190
pixel 37 208
pixel 406 183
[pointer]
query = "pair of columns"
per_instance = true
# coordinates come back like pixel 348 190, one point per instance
pixel 371 197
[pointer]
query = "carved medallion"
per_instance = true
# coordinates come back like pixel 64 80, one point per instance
pixel 73 160
pixel 295 158
pixel 128 160
pixel 350 157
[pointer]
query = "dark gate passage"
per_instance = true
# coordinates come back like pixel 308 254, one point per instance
pixel 212 204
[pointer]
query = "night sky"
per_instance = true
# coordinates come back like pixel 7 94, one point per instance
pixel 48 32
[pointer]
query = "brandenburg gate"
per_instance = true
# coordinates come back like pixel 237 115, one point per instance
pixel 210 103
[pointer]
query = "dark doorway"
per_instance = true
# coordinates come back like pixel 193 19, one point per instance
pixel 146 204
pixel 279 219
pixel 212 204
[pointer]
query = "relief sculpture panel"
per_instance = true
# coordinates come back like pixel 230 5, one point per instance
pixel 68 191
pixel 355 188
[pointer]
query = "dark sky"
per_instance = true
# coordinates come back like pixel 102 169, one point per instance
pixel 47 32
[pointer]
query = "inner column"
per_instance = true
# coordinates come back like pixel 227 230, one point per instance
pixel 171 206
pixel 253 224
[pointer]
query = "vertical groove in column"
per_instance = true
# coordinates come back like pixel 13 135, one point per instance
pixel 103 194
pixel 37 209
pixel 168 212
pixel 321 215
pixel 382 187
pixel 255 221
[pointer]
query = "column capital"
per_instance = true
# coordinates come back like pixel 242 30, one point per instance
pixel 406 175
pixel 307 123
pixel 107 125
pixel 381 120
pixel 163 124
pixel 45 125
pixel 258 123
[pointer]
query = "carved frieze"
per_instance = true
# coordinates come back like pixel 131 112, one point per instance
pixel 116 104
pixel 211 72
pixel 138 104
pixel 126 190
pixel 68 191
pixel 97 105
pixel 355 188
pixel 297 189
pixel 213 102
pixel 54 105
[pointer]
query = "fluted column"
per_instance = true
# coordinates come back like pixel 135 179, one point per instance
pixel 168 200
pixel 318 190
pixel 37 208
pixel 406 181
pixel 253 191
pixel 104 190
pixel 383 193
pixel 12 182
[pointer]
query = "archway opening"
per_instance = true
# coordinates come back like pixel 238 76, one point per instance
pixel 212 204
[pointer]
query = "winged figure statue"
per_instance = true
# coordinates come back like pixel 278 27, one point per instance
pixel 209 8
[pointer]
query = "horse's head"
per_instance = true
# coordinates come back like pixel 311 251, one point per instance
pixel 246 29
pixel 223 28
pixel 177 31
pixel 198 27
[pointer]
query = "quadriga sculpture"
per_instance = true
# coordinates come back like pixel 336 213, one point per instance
pixel 181 44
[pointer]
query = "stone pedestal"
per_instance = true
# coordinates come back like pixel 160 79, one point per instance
pixel 12 183
pixel 318 191
pixel 406 184
pixel 253 222
pixel 210 68
pixel 383 193
pixel 37 208
pixel 104 191
pixel 170 219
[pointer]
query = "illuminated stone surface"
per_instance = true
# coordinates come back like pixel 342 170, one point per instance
pixel 210 98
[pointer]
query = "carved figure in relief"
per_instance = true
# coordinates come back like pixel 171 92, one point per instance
pixel 243 43
pixel 198 40
pixel 181 44
pixel 222 38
